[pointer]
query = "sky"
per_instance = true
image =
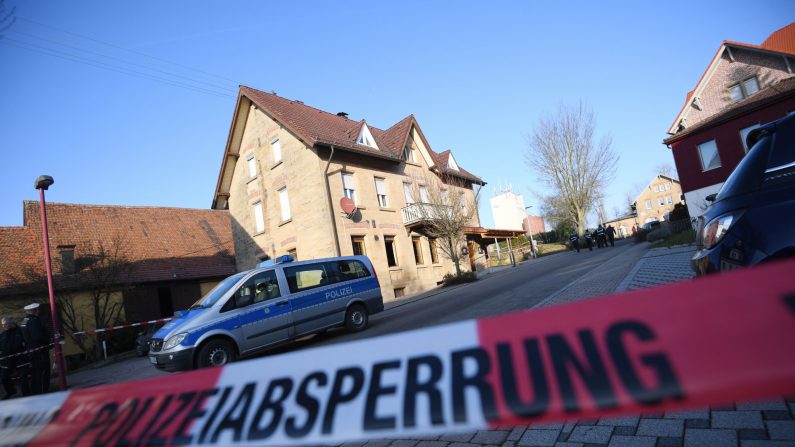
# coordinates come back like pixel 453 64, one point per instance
pixel 130 103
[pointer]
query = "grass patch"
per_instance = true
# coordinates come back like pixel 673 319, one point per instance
pixel 683 238
pixel 546 249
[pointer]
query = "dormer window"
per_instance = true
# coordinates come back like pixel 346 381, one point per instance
pixel 366 138
pixel 743 89
pixel 451 164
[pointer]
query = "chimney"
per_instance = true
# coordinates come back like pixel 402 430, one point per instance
pixel 342 114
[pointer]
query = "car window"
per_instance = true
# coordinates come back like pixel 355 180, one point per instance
pixel 260 287
pixel 747 176
pixel 782 156
pixel 305 277
pixel 352 269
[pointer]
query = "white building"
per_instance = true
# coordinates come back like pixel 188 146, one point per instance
pixel 508 210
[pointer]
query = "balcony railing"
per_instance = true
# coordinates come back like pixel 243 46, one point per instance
pixel 418 212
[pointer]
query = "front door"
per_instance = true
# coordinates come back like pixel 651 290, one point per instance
pixel 265 315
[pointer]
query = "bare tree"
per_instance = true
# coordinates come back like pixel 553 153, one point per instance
pixel 446 210
pixel 101 273
pixel 563 152
pixel 665 169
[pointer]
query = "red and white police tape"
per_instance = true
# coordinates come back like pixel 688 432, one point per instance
pixel 29 351
pixel 709 341
pixel 121 326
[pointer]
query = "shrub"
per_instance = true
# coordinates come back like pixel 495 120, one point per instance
pixel 452 279
pixel 640 236
pixel 660 232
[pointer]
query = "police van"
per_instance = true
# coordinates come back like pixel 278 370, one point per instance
pixel 278 301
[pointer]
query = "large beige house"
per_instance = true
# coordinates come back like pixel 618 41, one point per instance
pixel 287 166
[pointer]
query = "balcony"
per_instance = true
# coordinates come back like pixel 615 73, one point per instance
pixel 418 212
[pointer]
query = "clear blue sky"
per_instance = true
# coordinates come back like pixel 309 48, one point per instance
pixel 477 75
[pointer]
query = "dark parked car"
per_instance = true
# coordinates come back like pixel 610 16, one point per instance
pixel 143 339
pixel 752 218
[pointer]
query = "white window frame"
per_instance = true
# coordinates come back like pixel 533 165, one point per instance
pixel 276 145
pixel 259 217
pixel 743 90
pixel 408 194
pixel 655 188
pixel 669 200
pixel 462 198
pixel 251 162
pixel 380 192
pixel 707 144
pixel 349 187
pixel 744 134
pixel 424 197
pixel 661 201
pixel 648 204
pixel 284 202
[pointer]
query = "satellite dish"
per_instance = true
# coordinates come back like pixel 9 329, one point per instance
pixel 348 207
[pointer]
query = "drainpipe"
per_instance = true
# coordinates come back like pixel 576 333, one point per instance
pixel 331 204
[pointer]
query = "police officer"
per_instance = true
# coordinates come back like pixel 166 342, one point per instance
pixel 588 239
pixel 575 241
pixel 601 240
pixel 37 336
pixel 12 343
pixel 611 234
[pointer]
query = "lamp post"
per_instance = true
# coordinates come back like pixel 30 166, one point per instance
pixel 42 183
pixel 530 229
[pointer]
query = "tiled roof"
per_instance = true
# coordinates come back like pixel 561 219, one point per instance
pixel 441 161
pixel 780 41
pixel 315 126
pixel 163 243
pixel 770 94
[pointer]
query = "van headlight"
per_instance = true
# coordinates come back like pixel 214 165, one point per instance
pixel 717 228
pixel 174 341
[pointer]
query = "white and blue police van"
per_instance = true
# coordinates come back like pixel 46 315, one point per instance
pixel 276 302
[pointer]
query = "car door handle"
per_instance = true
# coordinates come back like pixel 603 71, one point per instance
pixel 281 303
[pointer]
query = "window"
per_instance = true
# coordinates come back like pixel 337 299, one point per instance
pixel 424 195
pixel 351 269
pixel 348 188
pixel 284 200
pixel 277 151
pixel 399 292
pixel 743 89
pixel 445 197
pixel 391 257
pixel 744 135
pixel 667 186
pixel 259 220
pixel 648 204
pixel 266 286
pixel 434 251
pixel 661 201
pixel 710 159
pixel 416 243
pixel 407 193
pixel 669 200
pixel 655 188
pixel 463 203
pixel 358 246
pixel 252 166
pixel 304 277
pixel 380 191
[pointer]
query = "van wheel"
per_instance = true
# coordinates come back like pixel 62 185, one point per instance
pixel 356 318
pixel 216 353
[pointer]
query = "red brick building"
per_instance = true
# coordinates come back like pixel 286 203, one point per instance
pixel 171 257
pixel 743 87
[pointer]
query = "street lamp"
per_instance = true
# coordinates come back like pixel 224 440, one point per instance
pixel 42 183
pixel 530 229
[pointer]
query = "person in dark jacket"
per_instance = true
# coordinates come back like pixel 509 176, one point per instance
pixel 588 239
pixel 12 344
pixel 601 239
pixel 611 234
pixel 37 336
pixel 575 241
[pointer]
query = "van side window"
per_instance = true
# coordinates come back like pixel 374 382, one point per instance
pixel 351 269
pixel 305 277
pixel 260 287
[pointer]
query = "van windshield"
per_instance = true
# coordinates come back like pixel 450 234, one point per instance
pixel 218 291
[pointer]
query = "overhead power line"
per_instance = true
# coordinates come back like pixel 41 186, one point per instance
pixel 125 49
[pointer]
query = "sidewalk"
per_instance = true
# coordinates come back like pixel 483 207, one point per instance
pixel 761 424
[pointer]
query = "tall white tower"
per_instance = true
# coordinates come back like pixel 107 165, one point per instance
pixel 508 210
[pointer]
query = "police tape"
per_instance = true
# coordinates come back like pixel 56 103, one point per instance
pixel 709 341
pixel 28 351
pixel 121 326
